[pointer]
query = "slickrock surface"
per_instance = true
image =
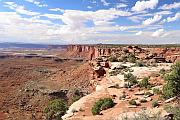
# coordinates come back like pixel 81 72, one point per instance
pixel 106 87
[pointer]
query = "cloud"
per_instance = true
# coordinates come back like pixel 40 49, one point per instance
pixel 37 3
pixel 139 33
pixel 20 9
pixel 57 9
pixel 13 26
pixel 136 18
pixel 35 30
pixel 76 19
pixel 105 3
pixel 140 17
pixel 83 26
pixel 89 7
pixel 143 5
pixel 163 13
pixel 159 33
pixel 153 20
pixel 176 17
pixel 74 28
pixel 123 1
pixel 121 5
pixel 175 5
pixel 51 16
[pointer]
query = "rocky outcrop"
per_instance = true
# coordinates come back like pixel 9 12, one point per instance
pixel 94 51
pixel 84 51
pixel 170 54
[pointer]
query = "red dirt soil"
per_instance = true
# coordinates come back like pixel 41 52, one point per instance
pixel 21 80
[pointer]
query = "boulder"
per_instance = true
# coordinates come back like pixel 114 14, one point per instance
pixel 128 97
pixel 99 70
pixel 149 99
pixel 169 116
pixel 132 106
pixel 166 116
pixel 170 100
pixel 138 103
pixel 100 88
pixel 139 93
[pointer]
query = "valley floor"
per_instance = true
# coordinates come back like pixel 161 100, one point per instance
pixel 27 84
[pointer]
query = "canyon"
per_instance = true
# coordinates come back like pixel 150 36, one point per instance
pixel 30 78
pixel 90 52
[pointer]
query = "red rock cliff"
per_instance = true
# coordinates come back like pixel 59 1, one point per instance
pixel 84 51
pixel 94 51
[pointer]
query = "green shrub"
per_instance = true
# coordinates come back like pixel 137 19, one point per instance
pixel 175 111
pixel 144 83
pixel 55 109
pixel 113 59
pixel 131 79
pixel 116 71
pixel 140 64
pixel 171 88
pixel 102 104
pixel 96 109
pixel 132 58
pixel 132 102
pixel 154 103
pixel 149 87
pixel 162 71
pixel 122 58
pixel 157 91
pixel 75 98
pixel 143 115
pixel 168 90
pixel 125 50
pixel 107 104
pixel 76 95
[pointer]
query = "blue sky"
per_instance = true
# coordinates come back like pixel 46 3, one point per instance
pixel 90 21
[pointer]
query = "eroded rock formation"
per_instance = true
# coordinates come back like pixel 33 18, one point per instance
pixel 94 51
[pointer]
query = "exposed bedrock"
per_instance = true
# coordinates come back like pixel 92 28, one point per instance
pixel 94 51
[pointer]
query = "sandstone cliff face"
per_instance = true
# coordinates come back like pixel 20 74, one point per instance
pixel 93 51
pixel 90 51
pixel 84 51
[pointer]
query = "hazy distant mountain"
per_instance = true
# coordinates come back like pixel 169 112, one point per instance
pixel 29 45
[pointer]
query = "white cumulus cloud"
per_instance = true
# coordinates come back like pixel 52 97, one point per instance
pixel 57 9
pixel 51 16
pixel 143 5
pixel 20 9
pixel 170 6
pixel 76 19
pixel 153 20
pixel 121 5
pixel 89 7
pixel 139 33
pixel 159 33
pixel 105 3
pixel 37 3
pixel 176 17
